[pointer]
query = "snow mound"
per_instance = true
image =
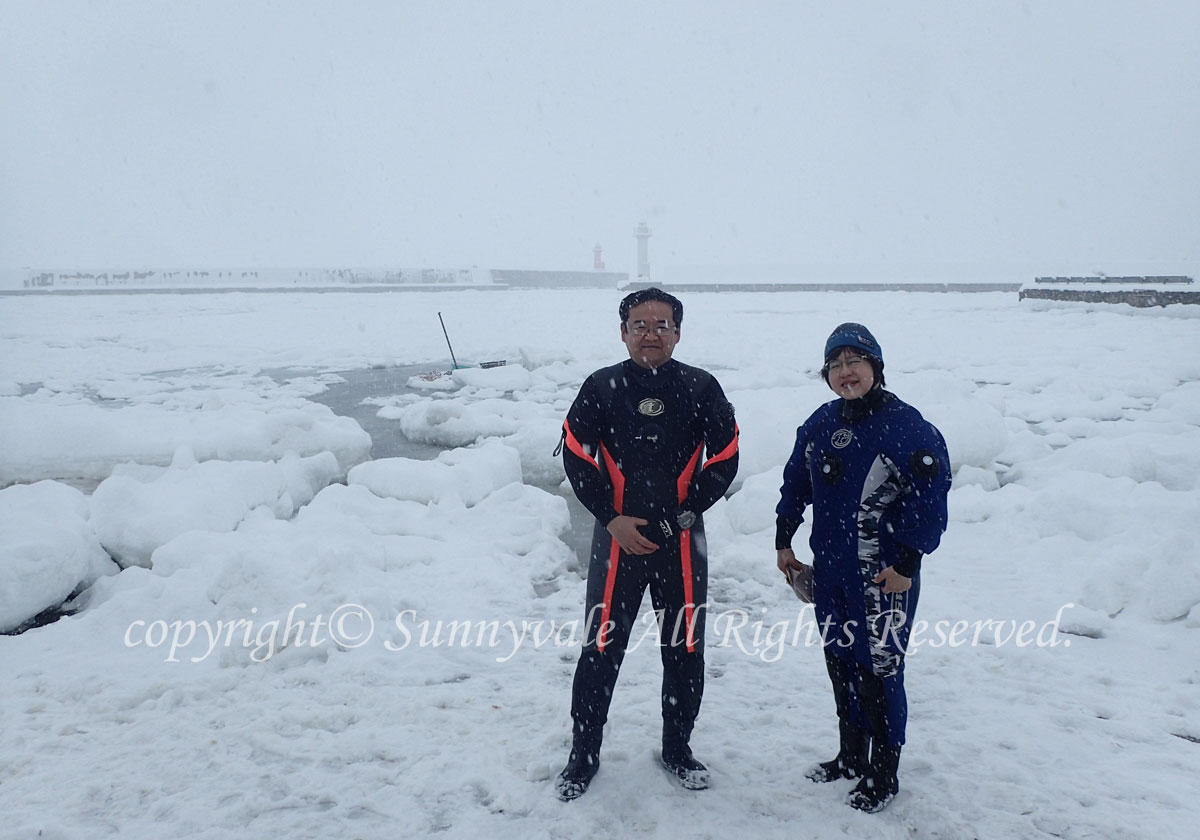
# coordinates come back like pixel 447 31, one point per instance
pixel 504 378
pixel 54 436
pixel 359 562
pixel 536 442
pixel 752 508
pixel 459 422
pixel 1183 402
pixel 467 475
pixel 1172 460
pixel 767 421
pixel 47 549
pixel 975 431
pixel 137 509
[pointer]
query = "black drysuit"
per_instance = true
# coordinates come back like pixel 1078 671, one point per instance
pixel 633 444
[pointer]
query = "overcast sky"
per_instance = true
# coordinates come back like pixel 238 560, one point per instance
pixel 518 135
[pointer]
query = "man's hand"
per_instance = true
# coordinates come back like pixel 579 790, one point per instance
pixel 893 582
pixel 625 531
pixel 785 558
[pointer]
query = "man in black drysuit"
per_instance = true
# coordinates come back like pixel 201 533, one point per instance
pixel 633 445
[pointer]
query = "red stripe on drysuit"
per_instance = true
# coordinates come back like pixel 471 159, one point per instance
pixel 685 548
pixel 726 453
pixel 614 551
pixel 576 447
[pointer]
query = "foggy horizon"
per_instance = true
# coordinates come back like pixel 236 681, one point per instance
pixel 220 135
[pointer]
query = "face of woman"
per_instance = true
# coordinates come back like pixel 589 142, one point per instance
pixel 850 374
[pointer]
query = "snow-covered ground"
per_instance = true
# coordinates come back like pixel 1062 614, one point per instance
pixel 275 654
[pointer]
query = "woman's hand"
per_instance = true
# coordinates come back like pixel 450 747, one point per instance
pixel 893 582
pixel 784 558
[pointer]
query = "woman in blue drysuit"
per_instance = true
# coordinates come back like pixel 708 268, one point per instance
pixel 876 475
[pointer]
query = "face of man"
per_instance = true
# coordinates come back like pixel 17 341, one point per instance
pixel 850 374
pixel 650 334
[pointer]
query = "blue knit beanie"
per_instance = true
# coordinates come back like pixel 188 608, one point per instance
pixel 856 336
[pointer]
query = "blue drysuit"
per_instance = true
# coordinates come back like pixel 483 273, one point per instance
pixel 876 474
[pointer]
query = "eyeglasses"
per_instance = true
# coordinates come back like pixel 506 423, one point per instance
pixel 851 363
pixel 642 328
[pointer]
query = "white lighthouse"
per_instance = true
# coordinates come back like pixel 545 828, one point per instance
pixel 642 233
